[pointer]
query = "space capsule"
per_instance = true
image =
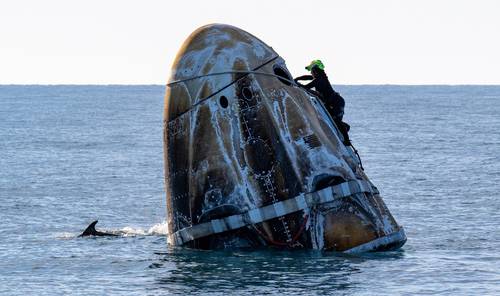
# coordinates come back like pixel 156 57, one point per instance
pixel 253 160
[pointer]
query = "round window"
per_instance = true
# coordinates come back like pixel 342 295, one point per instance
pixel 223 102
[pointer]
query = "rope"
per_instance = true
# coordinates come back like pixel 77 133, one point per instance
pixel 233 72
pixel 359 157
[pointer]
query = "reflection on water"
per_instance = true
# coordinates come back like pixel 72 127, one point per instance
pixel 263 271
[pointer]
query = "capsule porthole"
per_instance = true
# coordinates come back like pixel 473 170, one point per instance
pixel 223 102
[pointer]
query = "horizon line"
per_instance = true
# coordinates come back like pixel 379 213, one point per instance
pixel 155 84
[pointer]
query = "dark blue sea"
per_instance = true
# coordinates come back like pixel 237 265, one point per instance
pixel 73 154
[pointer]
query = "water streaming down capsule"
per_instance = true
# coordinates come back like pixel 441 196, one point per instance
pixel 252 160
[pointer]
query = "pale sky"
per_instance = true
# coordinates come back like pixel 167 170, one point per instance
pixel 360 42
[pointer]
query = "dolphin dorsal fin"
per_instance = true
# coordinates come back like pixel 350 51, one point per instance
pixel 90 230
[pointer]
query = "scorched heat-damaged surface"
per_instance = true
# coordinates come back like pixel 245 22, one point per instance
pixel 239 135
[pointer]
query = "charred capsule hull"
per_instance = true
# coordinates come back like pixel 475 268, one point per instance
pixel 252 160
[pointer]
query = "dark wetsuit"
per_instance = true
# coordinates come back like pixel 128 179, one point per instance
pixel 333 102
pixel 331 99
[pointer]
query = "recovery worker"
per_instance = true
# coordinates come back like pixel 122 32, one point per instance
pixel 331 99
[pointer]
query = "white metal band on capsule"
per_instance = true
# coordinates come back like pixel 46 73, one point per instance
pixel 274 210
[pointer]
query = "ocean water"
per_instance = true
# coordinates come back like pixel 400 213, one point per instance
pixel 73 154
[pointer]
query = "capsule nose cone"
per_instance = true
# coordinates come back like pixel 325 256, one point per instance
pixel 216 47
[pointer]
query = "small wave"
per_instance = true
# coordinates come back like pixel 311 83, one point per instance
pixel 157 229
pixel 130 231
pixel 65 235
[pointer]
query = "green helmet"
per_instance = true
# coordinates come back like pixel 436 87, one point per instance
pixel 315 63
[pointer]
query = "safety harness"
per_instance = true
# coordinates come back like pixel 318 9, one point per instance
pixel 302 202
